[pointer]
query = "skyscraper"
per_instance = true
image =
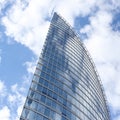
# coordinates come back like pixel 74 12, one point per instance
pixel 65 84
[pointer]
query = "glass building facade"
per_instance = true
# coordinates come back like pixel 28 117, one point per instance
pixel 65 84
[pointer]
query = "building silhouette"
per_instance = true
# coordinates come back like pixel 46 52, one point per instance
pixel 65 84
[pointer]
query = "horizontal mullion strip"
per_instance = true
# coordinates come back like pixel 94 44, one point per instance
pixel 81 45
pixel 76 58
pixel 77 87
pixel 77 93
pixel 56 101
pixel 85 66
pixel 71 111
pixel 77 38
pixel 68 100
pixel 39 102
pixel 33 110
pixel 80 65
pixel 80 73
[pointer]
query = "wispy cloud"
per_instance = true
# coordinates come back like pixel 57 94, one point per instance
pixel 27 26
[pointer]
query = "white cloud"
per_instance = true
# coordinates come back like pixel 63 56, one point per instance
pixel 5 113
pixel 27 26
pixel 101 35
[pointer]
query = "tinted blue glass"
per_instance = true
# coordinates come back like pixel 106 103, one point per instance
pixel 65 85
pixel 43 98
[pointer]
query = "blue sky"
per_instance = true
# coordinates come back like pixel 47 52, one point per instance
pixel 23 27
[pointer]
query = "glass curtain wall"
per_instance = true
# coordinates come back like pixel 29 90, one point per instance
pixel 65 85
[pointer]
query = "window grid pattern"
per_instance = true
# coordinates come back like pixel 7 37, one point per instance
pixel 65 85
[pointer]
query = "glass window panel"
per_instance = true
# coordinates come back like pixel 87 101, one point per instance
pixel 42 74
pixel 29 102
pixel 49 93
pixel 46 83
pixel 47 112
pixel 33 85
pixel 41 108
pixel 31 115
pixel 43 98
pixel 35 78
pixel 37 96
pixel 44 91
pixel 31 93
pixel 55 96
pixel 54 104
pixel 25 113
pixel 41 80
pixel 39 88
pixel 48 102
